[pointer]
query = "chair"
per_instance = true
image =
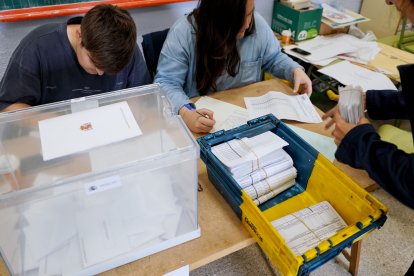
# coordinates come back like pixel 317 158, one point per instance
pixel 402 38
pixel 406 40
pixel 401 138
pixel 151 46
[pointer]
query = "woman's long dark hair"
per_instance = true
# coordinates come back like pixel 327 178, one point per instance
pixel 217 23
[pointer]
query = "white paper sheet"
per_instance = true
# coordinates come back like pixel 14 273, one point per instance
pixel 227 116
pixel 322 62
pixel 321 143
pixel 101 235
pixel 87 129
pixel 350 74
pixel 325 49
pixel 298 108
pixel 62 260
pixel 182 271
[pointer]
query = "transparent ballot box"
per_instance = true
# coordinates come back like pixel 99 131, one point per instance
pixel 93 183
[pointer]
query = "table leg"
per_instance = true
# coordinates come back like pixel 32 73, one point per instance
pixel 353 258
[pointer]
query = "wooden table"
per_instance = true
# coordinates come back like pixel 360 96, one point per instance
pixel 389 58
pixel 221 231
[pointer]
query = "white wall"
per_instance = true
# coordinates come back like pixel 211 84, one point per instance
pixel 353 5
pixel 384 18
pixel 147 19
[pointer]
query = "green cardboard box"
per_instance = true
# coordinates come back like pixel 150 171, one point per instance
pixel 304 24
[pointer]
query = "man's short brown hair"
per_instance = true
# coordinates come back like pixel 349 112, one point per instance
pixel 109 35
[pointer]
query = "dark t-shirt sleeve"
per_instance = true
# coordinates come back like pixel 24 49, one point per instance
pixel 21 80
pixel 391 168
pixel 138 73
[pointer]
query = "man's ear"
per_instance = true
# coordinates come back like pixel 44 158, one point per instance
pixel 78 34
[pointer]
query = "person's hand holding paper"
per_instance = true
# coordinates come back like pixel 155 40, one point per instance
pixel 301 82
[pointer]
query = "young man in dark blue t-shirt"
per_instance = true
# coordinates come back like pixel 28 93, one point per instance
pixel 85 56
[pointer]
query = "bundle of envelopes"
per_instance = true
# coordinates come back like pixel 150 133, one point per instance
pixel 306 228
pixel 258 164
pixel 350 103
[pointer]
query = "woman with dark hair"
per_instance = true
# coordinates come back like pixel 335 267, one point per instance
pixel 222 44
pixel 361 147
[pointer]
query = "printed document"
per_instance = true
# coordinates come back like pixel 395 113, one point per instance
pixel 350 74
pixel 87 129
pixel 337 16
pixel 227 116
pixel 305 229
pixel 297 108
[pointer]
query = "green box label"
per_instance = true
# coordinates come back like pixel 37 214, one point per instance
pixel 304 24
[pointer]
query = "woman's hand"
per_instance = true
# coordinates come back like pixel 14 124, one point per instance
pixel 301 82
pixel 342 127
pixel 196 122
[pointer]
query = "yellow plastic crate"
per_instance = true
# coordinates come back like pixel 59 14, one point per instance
pixel 318 180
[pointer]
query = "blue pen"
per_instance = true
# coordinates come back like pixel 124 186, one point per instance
pixel 189 107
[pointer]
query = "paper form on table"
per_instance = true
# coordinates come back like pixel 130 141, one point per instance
pixel 227 116
pixel 298 108
pixel 350 74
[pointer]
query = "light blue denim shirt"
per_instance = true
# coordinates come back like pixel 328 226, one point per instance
pixel 177 62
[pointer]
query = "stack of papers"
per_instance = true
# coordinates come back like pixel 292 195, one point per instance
pixel 305 229
pixel 337 16
pixel 350 103
pixel 259 165
pixel 326 49
pixel 297 4
pixel 351 74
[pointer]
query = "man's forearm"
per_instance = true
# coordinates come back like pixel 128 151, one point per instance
pixel 15 106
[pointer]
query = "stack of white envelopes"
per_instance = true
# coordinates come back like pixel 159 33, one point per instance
pixel 351 103
pixel 258 164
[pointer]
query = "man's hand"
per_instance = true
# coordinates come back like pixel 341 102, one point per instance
pixel 196 122
pixel 341 126
pixel 301 82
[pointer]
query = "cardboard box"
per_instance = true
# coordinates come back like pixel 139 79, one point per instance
pixel 304 24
